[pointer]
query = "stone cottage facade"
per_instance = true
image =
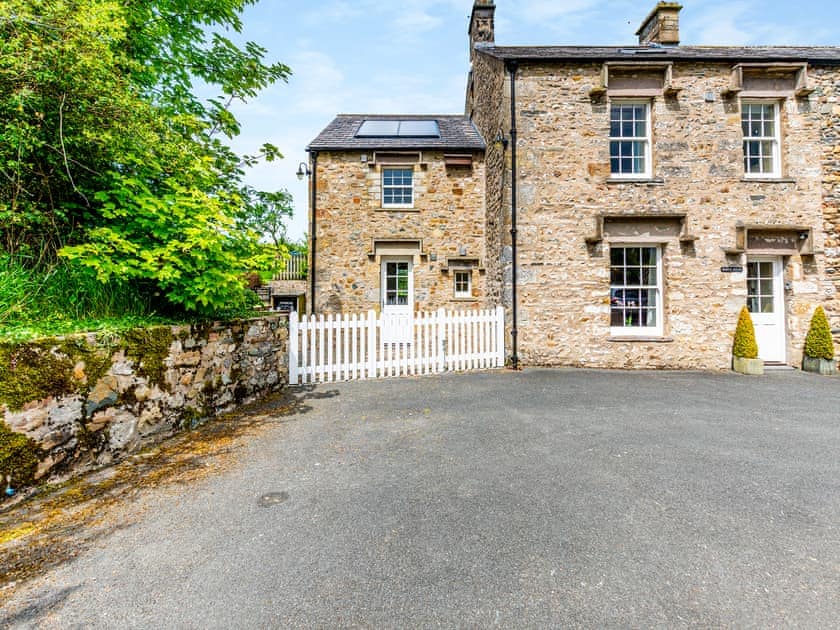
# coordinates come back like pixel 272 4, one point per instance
pixel 399 214
pixel 630 199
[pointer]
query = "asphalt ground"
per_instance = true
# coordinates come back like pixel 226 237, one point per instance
pixel 565 498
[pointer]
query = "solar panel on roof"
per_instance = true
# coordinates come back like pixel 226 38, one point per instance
pixel 378 129
pixel 419 129
pixel 399 129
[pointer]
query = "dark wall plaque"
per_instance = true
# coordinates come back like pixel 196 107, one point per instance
pixel 732 269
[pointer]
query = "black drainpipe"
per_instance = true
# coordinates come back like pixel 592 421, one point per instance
pixel 512 66
pixel 313 238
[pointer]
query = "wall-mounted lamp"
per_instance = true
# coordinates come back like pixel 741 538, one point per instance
pixel 501 139
pixel 303 171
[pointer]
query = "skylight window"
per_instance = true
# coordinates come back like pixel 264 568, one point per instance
pixel 399 129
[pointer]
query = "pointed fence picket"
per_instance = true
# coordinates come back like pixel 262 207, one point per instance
pixel 343 347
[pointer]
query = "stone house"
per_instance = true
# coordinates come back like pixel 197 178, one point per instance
pixel 399 214
pixel 629 201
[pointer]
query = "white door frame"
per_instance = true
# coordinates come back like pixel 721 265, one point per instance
pixel 397 319
pixel 770 330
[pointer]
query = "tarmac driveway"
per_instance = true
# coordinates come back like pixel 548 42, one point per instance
pixel 542 498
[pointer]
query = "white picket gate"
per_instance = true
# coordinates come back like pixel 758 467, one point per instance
pixel 342 347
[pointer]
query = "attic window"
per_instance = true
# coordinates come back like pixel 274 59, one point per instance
pixel 380 128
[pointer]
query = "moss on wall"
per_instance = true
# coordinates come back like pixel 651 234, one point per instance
pixel 33 371
pixel 40 369
pixel 19 457
pixel 149 348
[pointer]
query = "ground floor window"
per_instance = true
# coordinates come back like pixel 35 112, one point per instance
pixel 463 284
pixel 635 290
pixel 396 283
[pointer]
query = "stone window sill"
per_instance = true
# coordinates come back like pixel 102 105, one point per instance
pixel 768 180
pixel 397 209
pixel 649 181
pixel 464 299
pixel 641 339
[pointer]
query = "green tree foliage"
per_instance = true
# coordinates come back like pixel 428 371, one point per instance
pixel 818 341
pixel 745 345
pixel 107 156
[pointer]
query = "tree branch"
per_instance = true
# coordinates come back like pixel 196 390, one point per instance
pixel 64 149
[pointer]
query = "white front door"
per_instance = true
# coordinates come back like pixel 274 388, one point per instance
pixel 397 300
pixel 766 303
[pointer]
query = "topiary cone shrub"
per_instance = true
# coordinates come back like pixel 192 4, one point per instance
pixel 818 341
pixel 745 345
pixel 819 346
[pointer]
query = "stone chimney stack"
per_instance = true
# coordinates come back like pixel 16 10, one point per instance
pixel 662 25
pixel 482 27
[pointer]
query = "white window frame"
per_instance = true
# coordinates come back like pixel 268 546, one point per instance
pixel 640 331
pixel 385 186
pixel 462 273
pixel 647 139
pixel 398 260
pixel 775 139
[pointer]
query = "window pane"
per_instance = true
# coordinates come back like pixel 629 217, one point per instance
pixel 641 128
pixel 765 269
pixel 649 298
pixel 752 287
pixel 649 276
pixel 634 276
pixel 649 317
pixel 649 256
pixel 616 276
pixel 766 287
pixel 766 304
pixel 617 256
pixel 752 304
pixel 633 255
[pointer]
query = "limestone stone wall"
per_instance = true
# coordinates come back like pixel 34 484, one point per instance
pixel 564 184
pixel 93 399
pixel 488 105
pixel 827 100
pixel 447 220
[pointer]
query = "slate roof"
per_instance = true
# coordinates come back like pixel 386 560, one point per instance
pixel 457 132
pixel 816 55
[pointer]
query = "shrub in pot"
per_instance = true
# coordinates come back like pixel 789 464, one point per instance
pixel 819 346
pixel 744 347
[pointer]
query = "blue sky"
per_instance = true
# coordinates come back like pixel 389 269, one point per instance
pixel 410 56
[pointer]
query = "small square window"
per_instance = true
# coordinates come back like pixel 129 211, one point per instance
pixel 397 188
pixel 463 284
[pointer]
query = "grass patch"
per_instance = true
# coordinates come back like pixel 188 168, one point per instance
pixel 63 299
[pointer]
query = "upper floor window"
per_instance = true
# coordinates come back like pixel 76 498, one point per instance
pixel 760 124
pixel 630 140
pixel 397 188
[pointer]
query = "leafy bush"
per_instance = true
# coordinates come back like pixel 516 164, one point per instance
pixel 745 345
pixel 818 341
pixel 111 160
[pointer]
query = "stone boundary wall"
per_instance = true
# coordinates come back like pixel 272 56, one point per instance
pixel 72 402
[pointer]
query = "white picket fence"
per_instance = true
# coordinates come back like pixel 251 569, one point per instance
pixel 341 347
